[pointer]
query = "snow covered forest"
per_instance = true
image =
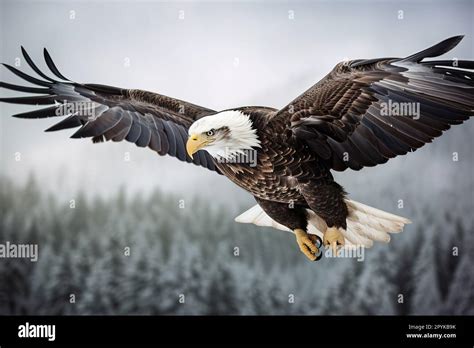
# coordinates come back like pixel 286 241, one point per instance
pixel 154 255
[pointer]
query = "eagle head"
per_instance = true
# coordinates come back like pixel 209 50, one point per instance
pixel 224 135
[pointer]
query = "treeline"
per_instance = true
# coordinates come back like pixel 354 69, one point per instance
pixel 157 254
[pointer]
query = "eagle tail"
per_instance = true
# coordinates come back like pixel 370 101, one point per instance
pixel 364 224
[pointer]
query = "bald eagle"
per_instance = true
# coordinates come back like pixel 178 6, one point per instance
pixel 361 114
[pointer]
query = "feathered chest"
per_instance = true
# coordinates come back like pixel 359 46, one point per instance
pixel 273 171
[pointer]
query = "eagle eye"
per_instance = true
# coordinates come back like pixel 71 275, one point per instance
pixel 211 132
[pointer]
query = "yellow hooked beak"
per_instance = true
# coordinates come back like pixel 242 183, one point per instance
pixel 195 143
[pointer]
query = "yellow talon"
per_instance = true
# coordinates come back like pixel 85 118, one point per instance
pixel 332 238
pixel 307 244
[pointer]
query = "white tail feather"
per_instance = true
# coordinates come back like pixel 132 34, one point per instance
pixel 364 224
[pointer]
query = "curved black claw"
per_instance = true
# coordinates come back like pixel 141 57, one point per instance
pixel 319 244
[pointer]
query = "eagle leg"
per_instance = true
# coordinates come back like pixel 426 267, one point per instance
pixel 332 238
pixel 309 244
pixel 296 219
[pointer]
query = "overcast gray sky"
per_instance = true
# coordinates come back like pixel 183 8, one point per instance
pixel 216 54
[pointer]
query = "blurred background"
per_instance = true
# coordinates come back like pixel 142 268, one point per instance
pixel 194 259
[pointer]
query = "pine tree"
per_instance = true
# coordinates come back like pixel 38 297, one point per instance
pixel 448 243
pixel 402 274
pixel 341 298
pixel 426 298
pixel 460 300
pixel 374 294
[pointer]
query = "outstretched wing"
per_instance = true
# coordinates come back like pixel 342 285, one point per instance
pixel 111 113
pixel 367 111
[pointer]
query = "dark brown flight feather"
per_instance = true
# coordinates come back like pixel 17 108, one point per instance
pixel 141 117
pixel 340 117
